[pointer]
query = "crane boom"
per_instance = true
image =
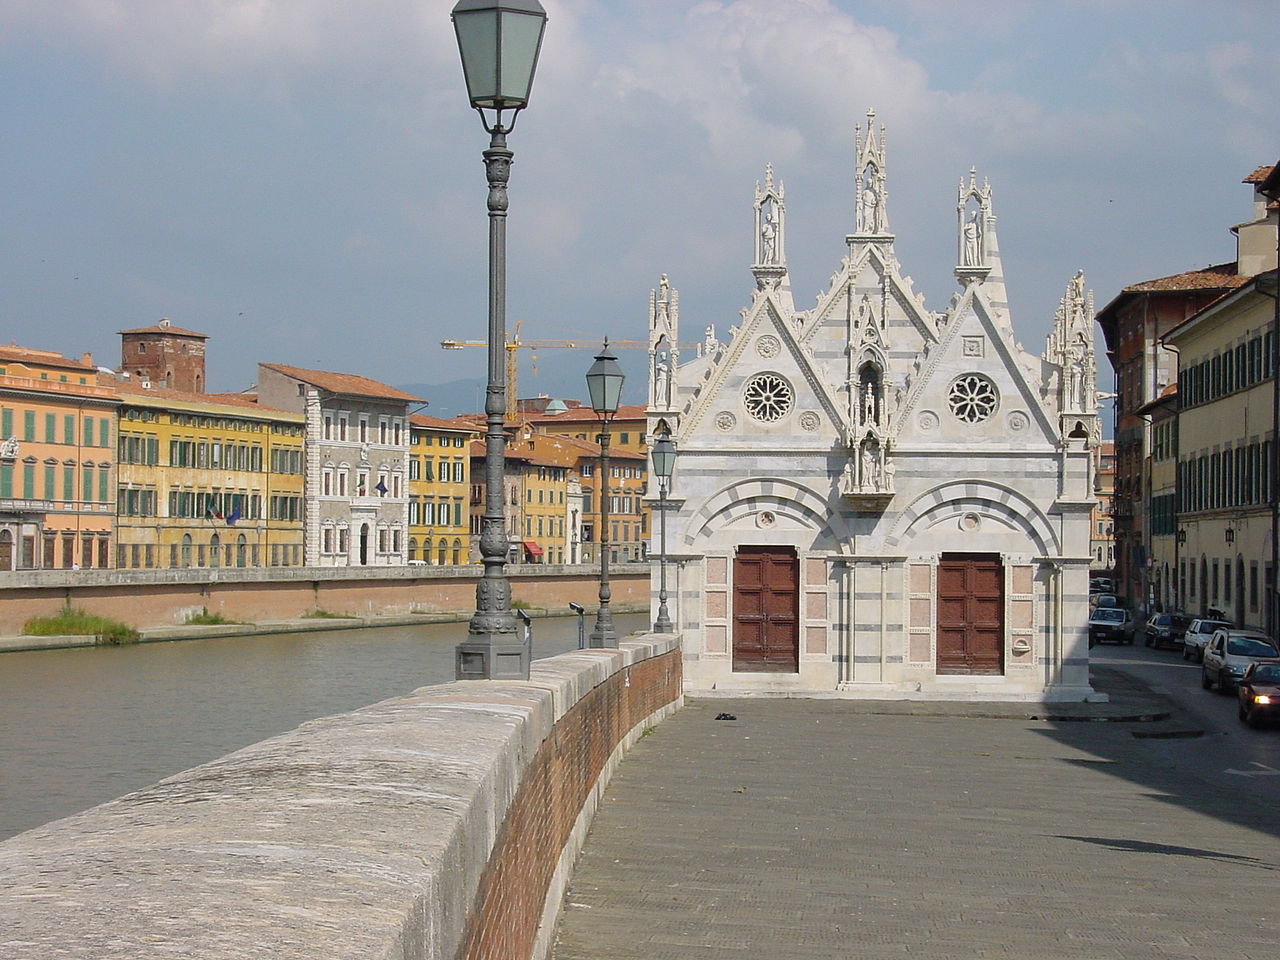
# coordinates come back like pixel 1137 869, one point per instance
pixel 516 343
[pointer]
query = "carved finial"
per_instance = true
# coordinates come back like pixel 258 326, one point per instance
pixel 768 176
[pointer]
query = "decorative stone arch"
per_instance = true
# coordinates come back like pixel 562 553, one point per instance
pixel 983 497
pixel 783 497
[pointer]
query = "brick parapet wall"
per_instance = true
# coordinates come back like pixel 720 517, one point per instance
pixel 160 598
pixel 417 828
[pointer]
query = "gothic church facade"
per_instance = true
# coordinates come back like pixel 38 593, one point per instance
pixel 872 499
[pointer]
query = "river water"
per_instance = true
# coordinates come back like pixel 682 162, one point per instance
pixel 80 727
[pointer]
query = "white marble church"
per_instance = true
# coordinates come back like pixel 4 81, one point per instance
pixel 872 499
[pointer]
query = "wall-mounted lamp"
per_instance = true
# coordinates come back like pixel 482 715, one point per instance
pixel 1231 536
pixel 1182 537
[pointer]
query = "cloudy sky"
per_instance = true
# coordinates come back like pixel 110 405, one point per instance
pixel 301 179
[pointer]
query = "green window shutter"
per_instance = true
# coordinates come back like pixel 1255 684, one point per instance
pixel 6 422
pixel 68 483
pixel 28 424
pixel 50 484
pixel 88 432
pixel 88 484
pixel 104 432
pixel 69 429
pixel 104 475
pixel 29 481
pixel 50 428
pixel 6 480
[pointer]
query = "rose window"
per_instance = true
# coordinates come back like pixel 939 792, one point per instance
pixel 767 397
pixel 973 398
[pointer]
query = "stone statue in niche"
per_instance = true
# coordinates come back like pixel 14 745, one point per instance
pixel 769 238
pixel 662 381
pixel 972 242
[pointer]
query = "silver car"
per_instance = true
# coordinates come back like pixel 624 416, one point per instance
pixel 1229 653
pixel 1198 635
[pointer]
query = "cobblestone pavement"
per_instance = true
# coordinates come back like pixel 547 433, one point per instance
pixel 815 829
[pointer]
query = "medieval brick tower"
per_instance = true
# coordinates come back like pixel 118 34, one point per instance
pixel 164 356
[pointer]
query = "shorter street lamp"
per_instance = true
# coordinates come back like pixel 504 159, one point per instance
pixel 664 463
pixel 604 385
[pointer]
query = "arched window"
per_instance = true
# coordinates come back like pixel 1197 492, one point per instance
pixel 457 552
pixel 6 549
pixel 443 552
pixel 242 545
pixel 186 549
pixel 215 553
pixel 413 549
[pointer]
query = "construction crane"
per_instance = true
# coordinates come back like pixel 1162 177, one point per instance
pixel 514 344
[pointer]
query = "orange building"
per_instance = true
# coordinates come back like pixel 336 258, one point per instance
pixel 57 462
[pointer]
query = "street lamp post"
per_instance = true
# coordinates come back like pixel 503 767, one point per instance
pixel 604 384
pixel 664 462
pixel 499 42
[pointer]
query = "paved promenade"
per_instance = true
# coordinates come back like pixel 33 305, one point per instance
pixel 821 829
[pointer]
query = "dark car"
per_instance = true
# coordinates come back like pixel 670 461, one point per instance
pixel 1110 625
pixel 1167 628
pixel 1259 692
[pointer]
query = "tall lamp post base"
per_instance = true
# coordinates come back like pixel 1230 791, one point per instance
pixel 492 659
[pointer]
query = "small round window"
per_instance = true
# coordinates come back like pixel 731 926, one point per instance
pixel 767 397
pixel 973 398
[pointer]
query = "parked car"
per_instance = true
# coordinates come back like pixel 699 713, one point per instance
pixel 1197 637
pixel 1258 692
pixel 1101 585
pixel 1110 625
pixel 1229 653
pixel 1167 628
pixel 1106 600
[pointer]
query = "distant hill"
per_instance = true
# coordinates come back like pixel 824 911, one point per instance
pixel 560 373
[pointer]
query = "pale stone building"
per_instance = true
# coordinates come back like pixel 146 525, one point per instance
pixel 356 506
pixel 872 499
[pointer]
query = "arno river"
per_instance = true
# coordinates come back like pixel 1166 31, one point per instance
pixel 83 726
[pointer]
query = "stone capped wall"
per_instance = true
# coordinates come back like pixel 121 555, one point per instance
pixel 438 824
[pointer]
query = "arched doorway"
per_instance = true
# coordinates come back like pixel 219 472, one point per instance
pixel 242 546
pixel 6 549
pixel 364 544
pixel 215 551
pixel 186 549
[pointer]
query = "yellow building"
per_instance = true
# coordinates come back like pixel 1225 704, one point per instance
pixel 1225 431
pixel 439 462
pixel 628 459
pixel 56 462
pixel 207 480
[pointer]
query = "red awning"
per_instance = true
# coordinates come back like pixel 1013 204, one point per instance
pixel 533 548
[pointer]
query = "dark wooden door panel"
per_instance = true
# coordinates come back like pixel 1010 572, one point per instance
pixel 766 610
pixel 970 614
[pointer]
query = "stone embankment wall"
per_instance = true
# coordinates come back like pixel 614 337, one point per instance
pixel 157 598
pixel 436 825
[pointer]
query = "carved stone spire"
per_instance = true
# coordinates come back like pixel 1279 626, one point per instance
pixel 770 265
pixel 1070 348
pixel 977 247
pixel 664 344
pixel 871 215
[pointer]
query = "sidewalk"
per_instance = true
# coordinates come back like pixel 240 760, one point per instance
pixel 819 829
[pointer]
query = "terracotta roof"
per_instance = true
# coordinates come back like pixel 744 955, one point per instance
pixel 626 411
pixel 1260 174
pixel 420 420
pixel 1222 276
pixel 546 446
pixel 166 328
pixel 242 401
pixel 48 358
pixel 344 383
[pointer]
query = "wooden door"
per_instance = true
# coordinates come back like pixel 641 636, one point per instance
pixel 970 614
pixel 766 610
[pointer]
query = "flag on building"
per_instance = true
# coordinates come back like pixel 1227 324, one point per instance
pixel 381 488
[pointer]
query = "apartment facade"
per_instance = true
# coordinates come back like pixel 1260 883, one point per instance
pixel 207 480
pixel 438 478
pixel 57 462
pixel 356 501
